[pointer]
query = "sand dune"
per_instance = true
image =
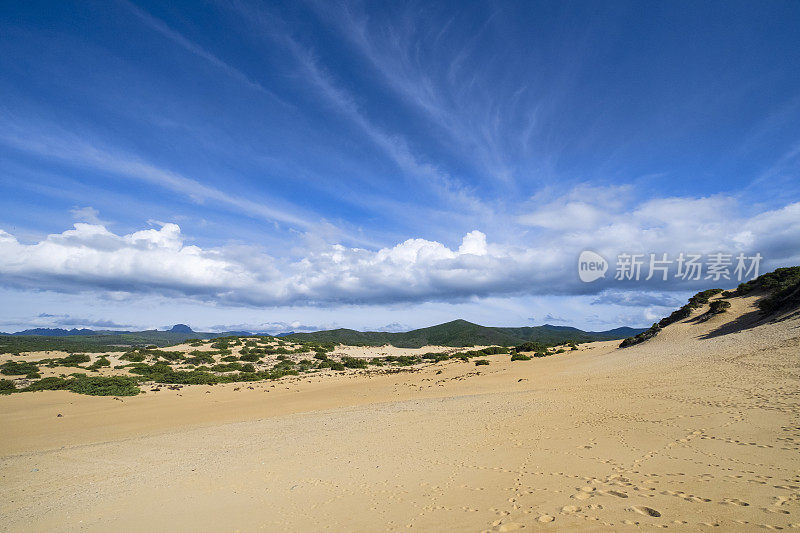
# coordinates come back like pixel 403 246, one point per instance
pixel 687 431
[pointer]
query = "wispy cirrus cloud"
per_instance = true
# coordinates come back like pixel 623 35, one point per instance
pixel 392 144
pixel 53 142
pixel 194 48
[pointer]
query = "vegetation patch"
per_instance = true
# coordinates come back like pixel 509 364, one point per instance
pixel 73 360
pixel 7 386
pixel 782 287
pixel 18 368
pixel 354 362
pixel 91 385
pixel 641 337
pixel 101 362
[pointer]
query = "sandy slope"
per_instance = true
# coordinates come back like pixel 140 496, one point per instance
pixel 683 432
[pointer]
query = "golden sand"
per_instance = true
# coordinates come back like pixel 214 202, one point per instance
pixel 689 431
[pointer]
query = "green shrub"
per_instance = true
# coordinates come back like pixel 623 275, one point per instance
pixel 163 373
pixel 435 356
pixel 51 383
pixel 402 360
pixel 169 356
pixel 18 368
pixel 91 385
pixel 520 357
pixel 133 357
pixel 333 365
pixel 494 350
pixel 771 282
pixel 699 299
pixel 354 362
pixel 197 357
pixel 481 362
pixel 530 347
pixel 105 386
pixel 7 386
pixel 101 362
pixel 719 306
pixel 641 337
pixel 227 367
pixel 73 360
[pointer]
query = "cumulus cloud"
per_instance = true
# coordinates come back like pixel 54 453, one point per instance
pixel 49 320
pixel 158 260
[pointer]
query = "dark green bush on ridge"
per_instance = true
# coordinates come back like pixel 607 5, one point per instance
pixel 641 337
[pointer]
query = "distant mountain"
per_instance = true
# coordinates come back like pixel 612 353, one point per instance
pixel 59 332
pixel 460 333
pixel 233 334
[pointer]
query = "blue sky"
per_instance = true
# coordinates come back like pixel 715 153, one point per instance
pixel 385 165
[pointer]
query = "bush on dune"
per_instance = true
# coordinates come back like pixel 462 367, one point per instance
pixel 102 361
pixel 18 368
pixel 7 386
pixel 529 347
pixel 354 362
pixel 641 337
pixel 91 385
pixel 72 360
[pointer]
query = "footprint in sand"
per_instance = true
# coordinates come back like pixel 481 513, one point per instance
pixel 734 501
pixel 613 493
pixel 546 518
pixel 774 511
pixel 646 511
pixel 570 509
pixel 508 526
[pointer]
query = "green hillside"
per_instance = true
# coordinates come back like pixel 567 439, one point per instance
pixel 99 342
pixel 460 333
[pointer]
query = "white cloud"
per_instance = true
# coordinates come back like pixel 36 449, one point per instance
pixel 86 214
pixel 159 261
